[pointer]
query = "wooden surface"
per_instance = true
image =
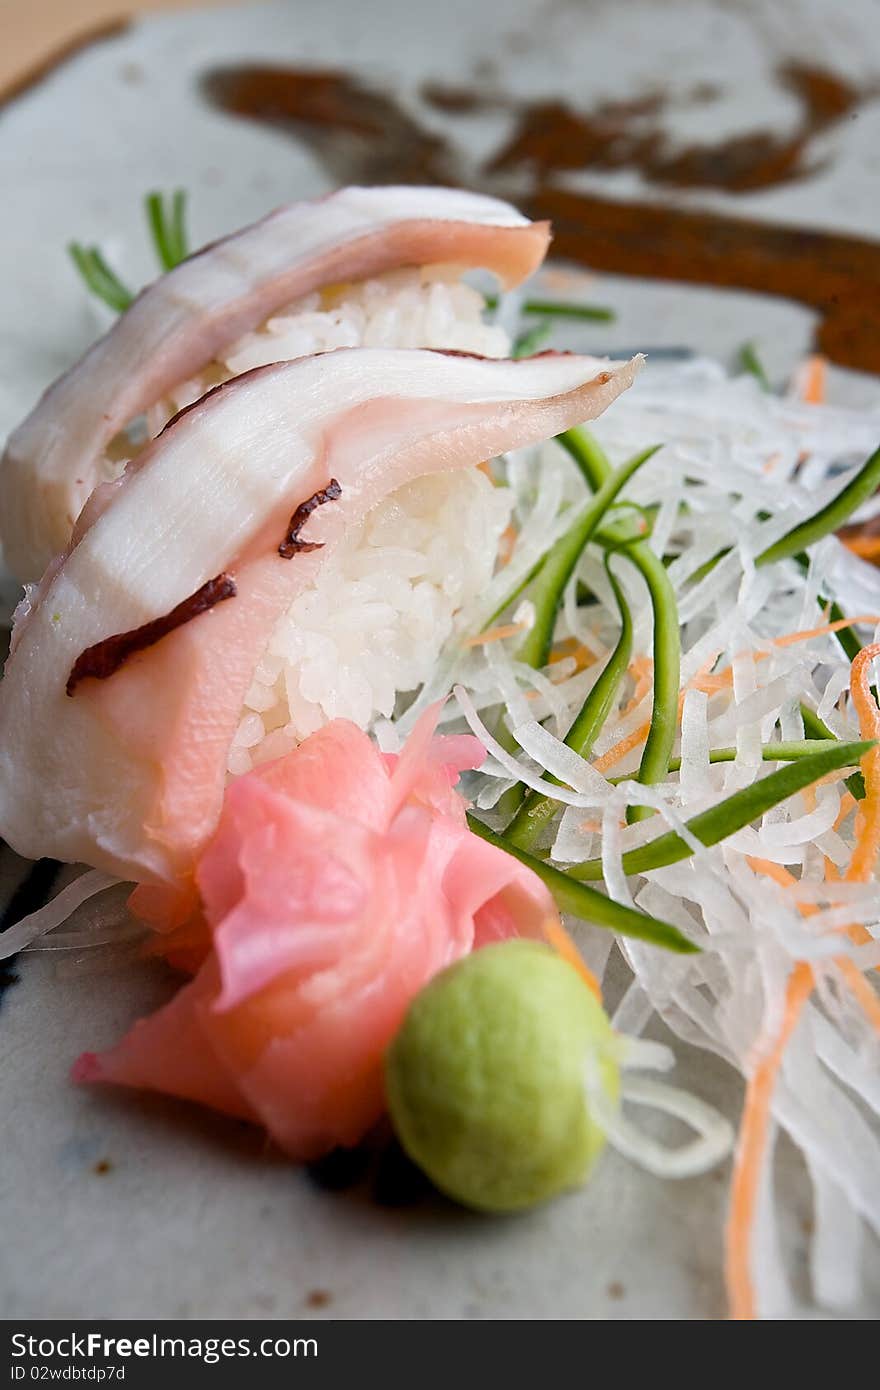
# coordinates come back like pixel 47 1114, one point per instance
pixel 33 31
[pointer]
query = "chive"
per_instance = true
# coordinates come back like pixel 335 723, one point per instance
pixel 561 559
pixel 829 518
pixel 750 362
pixel 550 580
pixel 526 343
pixel 588 454
pixel 538 809
pixel 589 904
pixel 734 812
pixel 178 225
pixel 816 729
pixel 667 671
pixel 593 463
pixel 103 282
pixel 168 228
pixel 770 752
pixel 596 313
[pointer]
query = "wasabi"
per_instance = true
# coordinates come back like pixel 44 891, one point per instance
pixel 486 1078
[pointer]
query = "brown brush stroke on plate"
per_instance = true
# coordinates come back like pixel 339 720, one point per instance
pixel 99 33
pixel 349 124
pixel 554 137
pixel 837 275
pixel 364 135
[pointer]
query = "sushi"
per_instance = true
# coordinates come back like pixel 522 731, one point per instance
pixel 364 266
pixel 150 645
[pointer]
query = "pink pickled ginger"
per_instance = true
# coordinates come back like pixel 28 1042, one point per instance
pixel 339 881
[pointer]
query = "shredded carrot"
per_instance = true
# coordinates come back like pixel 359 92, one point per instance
pixel 868 547
pixel 621 749
pixel 771 462
pixel 867 847
pixel 495 634
pixel 507 542
pixel 486 468
pixel 811 379
pixel 750 1149
pixel 562 943
pixel 571 649
pixel 789 638
pixel 752 1139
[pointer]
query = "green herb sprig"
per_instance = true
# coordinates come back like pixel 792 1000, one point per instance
pixel 101 280
pixel 560 308
pixel 594 464
pixel 589 904
pixel 168 227
pixel 734 812
pixel 539 808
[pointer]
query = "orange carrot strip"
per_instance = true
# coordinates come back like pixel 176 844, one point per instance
pixel 812 379
pixel 868 547
pixel 494 634
pixel 867 848
pixel 789 638
pixel 750 1149
pixel 562 943
pixel 621 749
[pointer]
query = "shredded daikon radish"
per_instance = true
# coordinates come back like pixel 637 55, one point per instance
pixel 47 918
pixel 739 468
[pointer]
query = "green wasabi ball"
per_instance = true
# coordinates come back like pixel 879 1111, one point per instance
pixel 486 1078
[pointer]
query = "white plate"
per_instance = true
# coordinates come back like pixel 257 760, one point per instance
pixel 190 1218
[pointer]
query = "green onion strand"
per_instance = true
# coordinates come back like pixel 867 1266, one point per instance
pixel 829 518
pixel 101 280
pixel 538 808
pixel 734 812
pixel 589 904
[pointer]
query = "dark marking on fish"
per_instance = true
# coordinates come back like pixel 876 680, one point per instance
pixel 292 545
pixel 105 658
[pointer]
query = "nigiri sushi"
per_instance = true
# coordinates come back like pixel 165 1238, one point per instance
pixel 173 616
pixel 364 266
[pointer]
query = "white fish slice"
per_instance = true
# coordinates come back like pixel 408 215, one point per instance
pixel 127 773
pixel 179 323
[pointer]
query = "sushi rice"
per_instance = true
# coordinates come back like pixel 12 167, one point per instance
pixel 390 598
